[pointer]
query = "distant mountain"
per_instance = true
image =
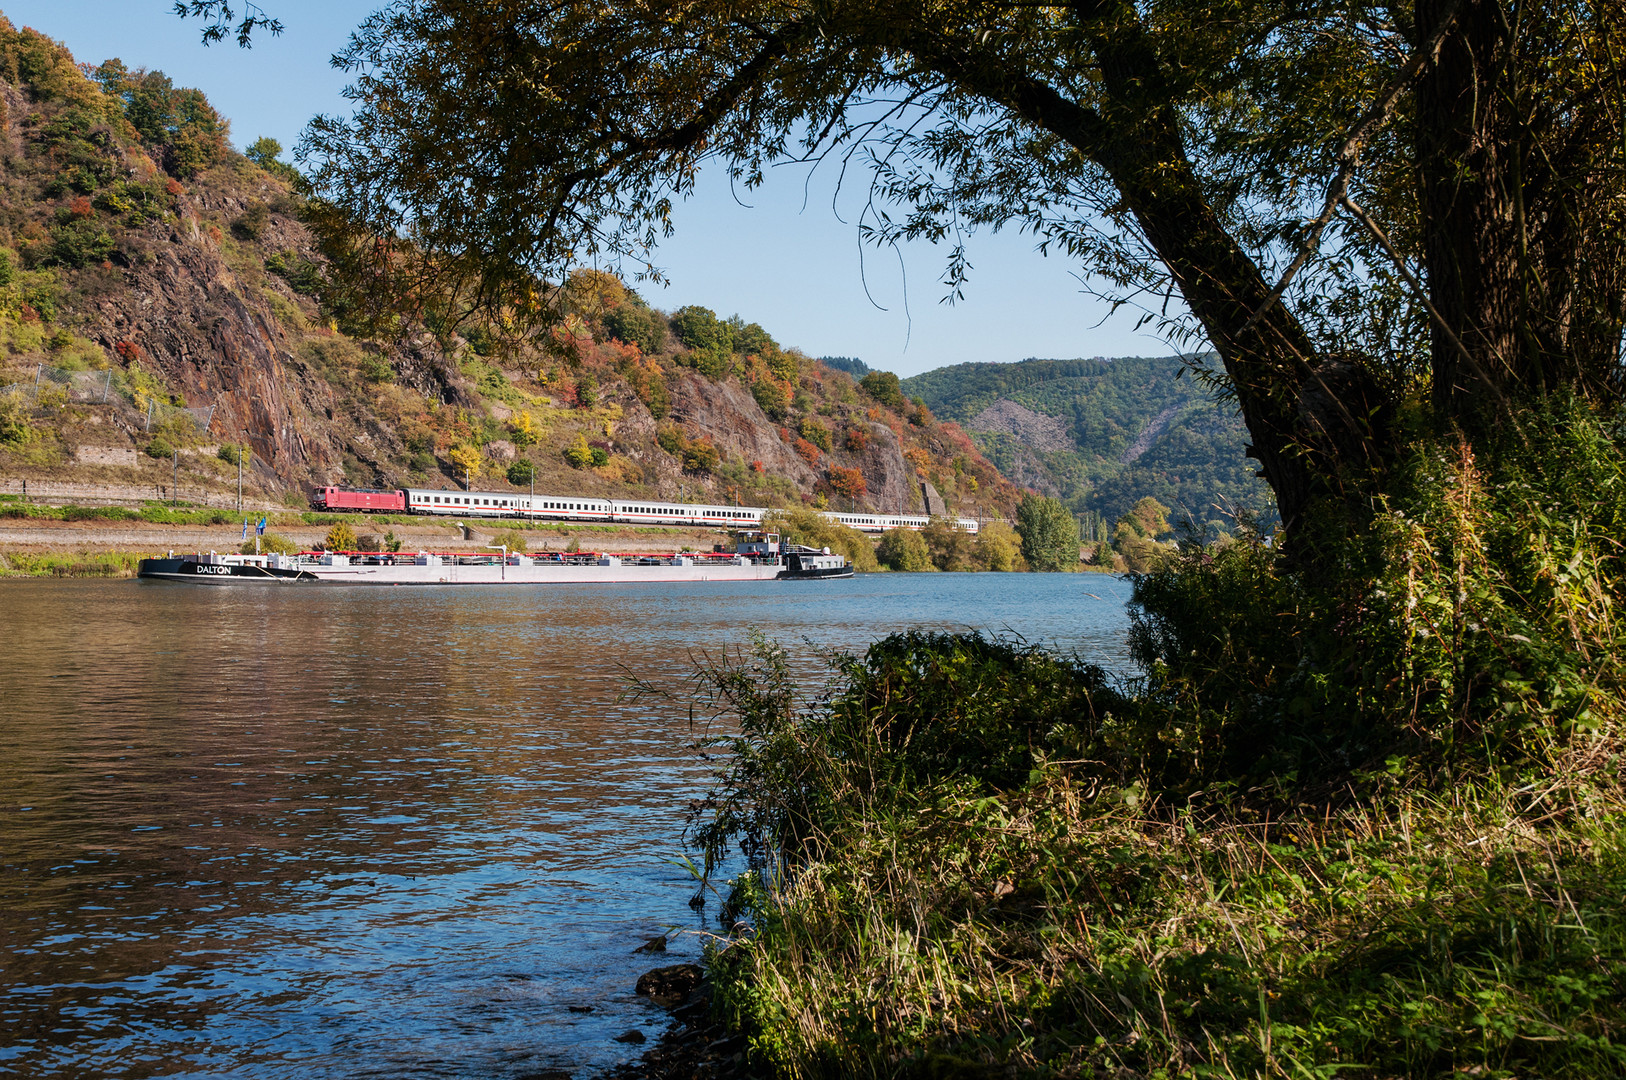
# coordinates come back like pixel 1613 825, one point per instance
pixel 1102 433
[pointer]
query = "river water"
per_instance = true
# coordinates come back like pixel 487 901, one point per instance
pixel 311 833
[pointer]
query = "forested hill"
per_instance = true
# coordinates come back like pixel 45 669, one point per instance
pixel 164 301
pixel 1102 433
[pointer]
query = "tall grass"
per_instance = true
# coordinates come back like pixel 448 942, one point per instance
pixel 1362 824
pixel 92 564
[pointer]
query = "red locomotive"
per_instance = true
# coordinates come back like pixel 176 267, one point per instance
pixel 367 500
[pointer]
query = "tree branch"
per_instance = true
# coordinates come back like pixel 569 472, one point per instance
pixel 1349 154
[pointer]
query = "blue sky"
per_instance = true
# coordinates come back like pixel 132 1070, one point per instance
pixel 800 272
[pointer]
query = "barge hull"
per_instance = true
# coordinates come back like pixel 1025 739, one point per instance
pixel 195 573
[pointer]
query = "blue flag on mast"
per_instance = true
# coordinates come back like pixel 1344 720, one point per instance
pixel 259 530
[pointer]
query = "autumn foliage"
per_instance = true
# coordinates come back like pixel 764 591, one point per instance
pixel 847 482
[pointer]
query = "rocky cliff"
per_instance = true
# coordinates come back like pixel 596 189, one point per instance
pixel 150 262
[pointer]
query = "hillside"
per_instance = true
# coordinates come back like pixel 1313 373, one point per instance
pixel 1101 434
pixel 163 301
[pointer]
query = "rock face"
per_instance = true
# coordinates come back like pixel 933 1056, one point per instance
pixel 889 478
pixel 1149 434
pixel 1034 430
pixel 736 424
pixel 935 506
pixel 211 331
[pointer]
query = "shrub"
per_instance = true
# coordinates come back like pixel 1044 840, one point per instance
pixel 816 433
pixel 771 397
pixel 885 388
pixel 903 549
pixel 1137 532
pixel 341 537
pixel 233 454
pixel 635 325
pixel 950 546
pixel 672 439
pixel 159 448
pixel 467 459
pixel 80 243
pixel 601 456
pixel 700 456
pixel 857 440
pixel 807 452
pixel 15 427
pixel 847 482
pixel 272 542
pixel 521 472
pixel 578 454
pixel 524 429
pixel 998 547
pixel 513 538
pixel 586 392
pixel 369 542
pixel 252 222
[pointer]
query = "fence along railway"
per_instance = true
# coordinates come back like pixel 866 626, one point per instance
pixel 498 504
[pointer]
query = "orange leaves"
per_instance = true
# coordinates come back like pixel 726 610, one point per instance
pixel 847 482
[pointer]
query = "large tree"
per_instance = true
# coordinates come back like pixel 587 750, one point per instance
pixel 1363 205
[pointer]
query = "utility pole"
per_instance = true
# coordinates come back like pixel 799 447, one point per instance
pixel 239 479
pixel 175 476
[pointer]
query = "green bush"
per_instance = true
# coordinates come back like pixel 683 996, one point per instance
pixel 521 472
pixel 671 439
pixel 271 542
pixel 512 538
pixel 884 387
pixel 77 244
pixel 816 531
pixel 700 456
pixel 816 433
pixel 341 537
pixel 771 397
pixel 159 448
pixel 578 454
pixel 1469 623
pixel 710 341
pixel 635 325
pixel 904 549
pixel 233 454
pixel 15 426
pixel 252 222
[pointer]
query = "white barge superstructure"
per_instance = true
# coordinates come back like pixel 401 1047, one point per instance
pixel 756 559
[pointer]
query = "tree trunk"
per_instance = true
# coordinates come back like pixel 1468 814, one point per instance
pixel 1467 168
pixel 1312 418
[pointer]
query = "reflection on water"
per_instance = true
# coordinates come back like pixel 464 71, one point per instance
pixel 379 832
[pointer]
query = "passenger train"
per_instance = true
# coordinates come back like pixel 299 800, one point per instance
pixel 579 508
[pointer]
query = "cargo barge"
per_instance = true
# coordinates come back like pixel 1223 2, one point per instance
pixel 762 558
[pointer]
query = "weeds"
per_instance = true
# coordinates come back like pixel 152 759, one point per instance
pixel 1363 824
pixel 97 564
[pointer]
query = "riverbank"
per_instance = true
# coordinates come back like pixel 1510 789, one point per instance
pixel 976 879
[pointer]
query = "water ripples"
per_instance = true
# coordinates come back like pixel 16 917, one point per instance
pixel 310 833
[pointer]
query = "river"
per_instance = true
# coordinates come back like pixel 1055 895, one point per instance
pixel 311 833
